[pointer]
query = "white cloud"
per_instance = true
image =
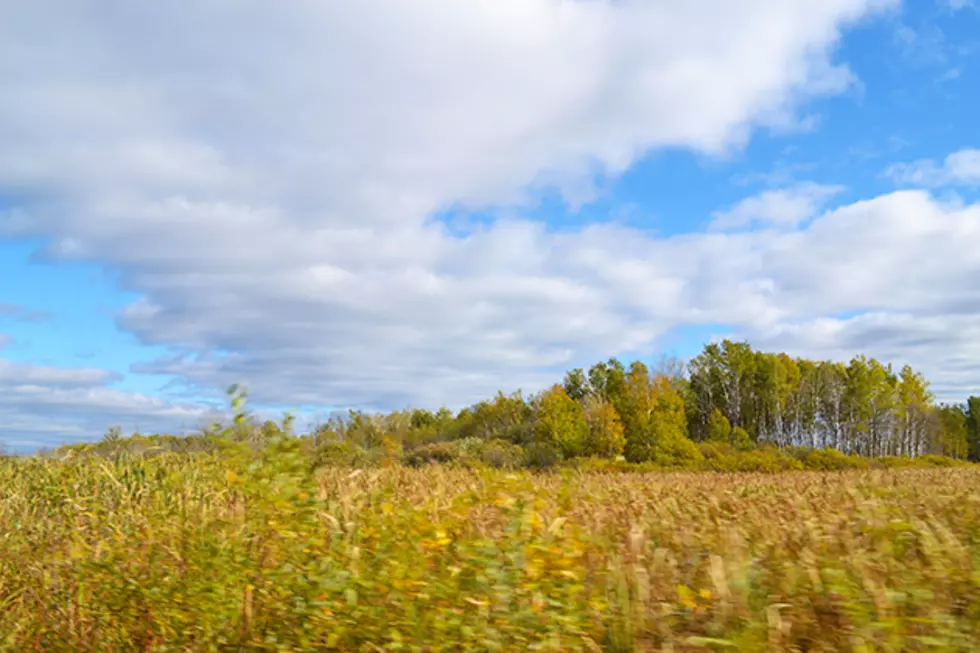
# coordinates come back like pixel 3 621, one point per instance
pixel 25 373
pixel 960 168
pixel 265 177
pixel 47 406
pixel 5 340
pixel 785 207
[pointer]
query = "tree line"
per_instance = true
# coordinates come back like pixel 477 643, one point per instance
pixel 728 394
pixel 730 402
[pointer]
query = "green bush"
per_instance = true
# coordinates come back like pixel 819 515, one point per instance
pixel 501 454
pixel 541 455
pixel 834 460
pixel 469 449
pixel 741 439
pixel 346 454
pixel 438 452
pixel 932 460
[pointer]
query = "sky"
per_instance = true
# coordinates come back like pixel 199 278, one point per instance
pixel 396 203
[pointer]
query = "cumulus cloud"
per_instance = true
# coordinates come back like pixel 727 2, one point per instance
pixel 266 179
pixel 45 406
pixel 784 207
pixel 961 168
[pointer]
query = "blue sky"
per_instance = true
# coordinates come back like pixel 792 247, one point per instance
pixel 417 205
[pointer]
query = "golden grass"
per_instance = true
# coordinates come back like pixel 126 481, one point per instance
pixel 256 552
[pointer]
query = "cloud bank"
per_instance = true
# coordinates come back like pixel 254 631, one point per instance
pixel 44 406
pixel 269 179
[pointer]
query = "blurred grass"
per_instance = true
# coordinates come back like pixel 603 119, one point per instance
pixel 243 550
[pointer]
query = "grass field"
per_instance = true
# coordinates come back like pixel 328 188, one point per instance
pixel 241 551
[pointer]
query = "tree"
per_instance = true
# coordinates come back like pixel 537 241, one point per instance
pixel 719 428
pixel 951 439
pixel 912 406
pixel 657 430
pixel 973 427
pixel 113 434
pixel 869 401
pixel 608 380
pixel 507 417
pixel 560 422
pixel 606 437
pixel 723 377
pixel 805 404
pixel 776 382
pixel 576 384
pixel 831 379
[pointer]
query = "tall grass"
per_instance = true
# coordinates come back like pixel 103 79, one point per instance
pixel 238 550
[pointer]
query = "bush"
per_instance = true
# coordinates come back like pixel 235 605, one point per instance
pixel 722 457
pixel 346 454
pixel 741 439
pixel 677 452
pixel 502 454
pixel 755 461
pixel 438 452
pixel 713 450
pixel 932 460
pixel 830 460
pixel 541 455
pixel 469 449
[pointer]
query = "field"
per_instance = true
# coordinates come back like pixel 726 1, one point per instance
pixel 244 551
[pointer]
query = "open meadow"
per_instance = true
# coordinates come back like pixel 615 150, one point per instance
pixel 259 551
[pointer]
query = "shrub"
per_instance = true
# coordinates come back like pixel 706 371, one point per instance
pixel 437 452
pixel 469 449
pixel 834 460
pixel 741 439
pixel 502 454
pixel 719 428
pixel 541 455
pixel 932 460
pixel 346 454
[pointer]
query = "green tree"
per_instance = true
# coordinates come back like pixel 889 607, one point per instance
pixel 608 380
pixel 657 426
pixel 870 406
pixel 952 437
pixel 723 376
pixel 913 403
pixel 606 437
pixel 507 417
pixel 831 388
pixel 576 384
pixel 973 427
pixel 560 422
pixel 719 428
pixel 776 382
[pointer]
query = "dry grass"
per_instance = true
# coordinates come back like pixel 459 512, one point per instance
pixel 238 552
